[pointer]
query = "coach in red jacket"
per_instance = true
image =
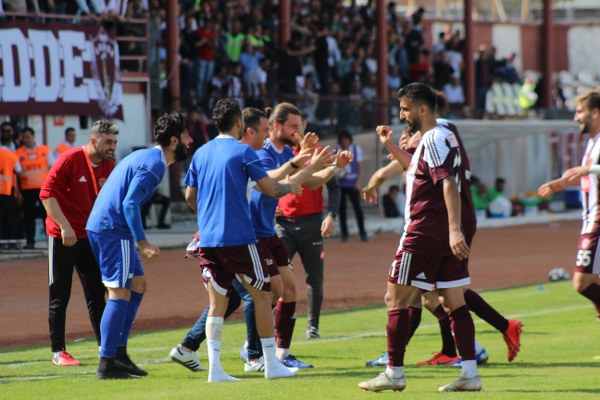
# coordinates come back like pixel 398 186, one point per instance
pixel 68 195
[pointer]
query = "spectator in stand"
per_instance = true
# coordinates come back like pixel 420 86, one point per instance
pixel 442 70
pixel 321 57
pixel 234 41
pixel 349 179
pixel 454 56
pixel 506 69
pixel 456 97
pixel 483 79
pixel 205 48
pixel 421 71
pixel 233 84
pixel 390 207
pixel 414 42
pixel 527 94
pixel 36 160
pixel 70 137
pixel 188 65
pixel 417 18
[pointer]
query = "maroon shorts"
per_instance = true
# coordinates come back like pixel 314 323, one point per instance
pixel 588 259
pixel 428 272
pixel 276 250
pixel 222 264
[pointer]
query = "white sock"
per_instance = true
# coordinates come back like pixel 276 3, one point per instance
pixel 282 353
pixel 268 347
pixel 478 347
pixel 57 353
pixel 394 372
pixel 469 369
pixel 214 329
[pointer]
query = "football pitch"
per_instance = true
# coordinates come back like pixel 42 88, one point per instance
pixel 559 358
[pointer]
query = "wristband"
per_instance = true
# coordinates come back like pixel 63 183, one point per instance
pixel 334 169
pixel 595 169
pixel 294 165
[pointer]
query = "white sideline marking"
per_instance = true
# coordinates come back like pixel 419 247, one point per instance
pixel 303 341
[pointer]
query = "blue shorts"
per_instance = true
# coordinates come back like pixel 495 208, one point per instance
pixel 118 259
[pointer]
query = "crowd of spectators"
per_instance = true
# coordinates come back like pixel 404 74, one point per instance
pixel 328 67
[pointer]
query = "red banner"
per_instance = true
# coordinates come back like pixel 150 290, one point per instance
pixel 59 68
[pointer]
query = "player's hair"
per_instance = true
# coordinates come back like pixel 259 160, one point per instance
pixel 441 103
pixel 590 99
pixel 282 111
pixel 28 129
pixel 102 127
pixel 225 113
pixel 251 117
pixel 167 126
pixel 419 93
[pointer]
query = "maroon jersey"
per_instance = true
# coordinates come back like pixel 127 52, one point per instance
pixel 72 185
pixel 436 158
pixel 467 212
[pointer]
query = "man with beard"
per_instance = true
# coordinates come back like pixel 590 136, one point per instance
pixel 78 174
pixel 432 249
pixel 587 264
pixel 115 225
pixel 216 189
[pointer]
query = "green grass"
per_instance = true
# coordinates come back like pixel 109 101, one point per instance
pixel 557 361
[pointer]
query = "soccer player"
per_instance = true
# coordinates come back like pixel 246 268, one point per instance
pixel 587 264
pixel 279 160
pixel 510 329
pixel 68 195
pixel 115 226
pixel 433 246
pixel 216 189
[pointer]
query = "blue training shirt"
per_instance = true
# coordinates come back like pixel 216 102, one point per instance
pixel 131 184
pixel 220 171
pixel 262 207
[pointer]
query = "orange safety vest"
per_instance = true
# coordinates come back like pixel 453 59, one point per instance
pixel 61 148
pixel 8 160
pixel 35 166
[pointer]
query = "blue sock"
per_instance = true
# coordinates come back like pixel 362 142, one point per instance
pixel 111 326
pixel 134 304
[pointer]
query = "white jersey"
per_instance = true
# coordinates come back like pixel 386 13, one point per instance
pixel 589 189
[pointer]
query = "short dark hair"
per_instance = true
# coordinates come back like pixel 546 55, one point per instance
pixel 28 129
pixel 251 117
pixel 420 93
pixel 441 103
pixel 6 124
pixel 393 187
pixel 344 135
pixel 6 137
pixel 167 126
pixel 69 129
pixel 225 113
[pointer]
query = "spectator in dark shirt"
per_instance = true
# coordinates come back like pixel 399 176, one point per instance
pixel 390 209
